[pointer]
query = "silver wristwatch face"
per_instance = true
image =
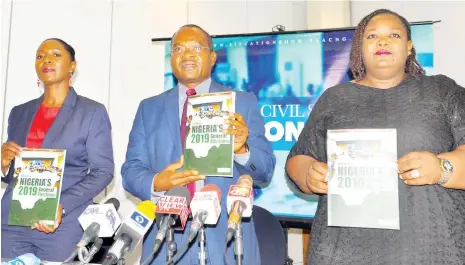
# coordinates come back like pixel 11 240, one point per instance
pixel 447 166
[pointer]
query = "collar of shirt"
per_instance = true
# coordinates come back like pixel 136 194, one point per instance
pixel 202 88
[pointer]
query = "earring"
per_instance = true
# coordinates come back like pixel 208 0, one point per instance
pixel 40 87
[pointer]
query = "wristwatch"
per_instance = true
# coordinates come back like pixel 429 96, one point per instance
pixel 447 170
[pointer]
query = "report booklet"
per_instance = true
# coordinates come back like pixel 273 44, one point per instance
pixel 208 149
pixel 362 178
pixel 37 186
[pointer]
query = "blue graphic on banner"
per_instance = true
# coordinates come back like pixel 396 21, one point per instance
pixel 288 73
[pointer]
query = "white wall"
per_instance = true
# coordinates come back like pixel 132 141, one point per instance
pixel 328 14
pixel 449 37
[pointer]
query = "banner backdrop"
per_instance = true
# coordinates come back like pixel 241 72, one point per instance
pixel 288 72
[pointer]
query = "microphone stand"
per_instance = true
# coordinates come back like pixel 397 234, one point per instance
pixel 289 261
pixel 238 247
pixel 202 253
pixel 171 247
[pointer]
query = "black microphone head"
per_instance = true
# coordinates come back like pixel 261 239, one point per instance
pixel 98 244
pixel 180 192
pixel 92 230
pixel 113 201
pixel 90 234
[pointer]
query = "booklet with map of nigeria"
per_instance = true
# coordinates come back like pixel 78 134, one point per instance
pixel 209 150
pixel 362 178
pixel 37 186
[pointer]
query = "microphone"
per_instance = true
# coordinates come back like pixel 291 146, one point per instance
pixel 205 207
pixel 105 214
pixel 90 235
pixel 172 212
pixel 239 202
pixel 131 232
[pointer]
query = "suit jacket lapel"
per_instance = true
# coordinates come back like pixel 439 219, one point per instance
pixel 24 125
pixel 61 119
pixel 171 114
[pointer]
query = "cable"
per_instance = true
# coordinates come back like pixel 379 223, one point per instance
pixel 73 255
pixel 86 255
pixel 83 254
pixel 149 258
pixel 226 255
pixel 121 262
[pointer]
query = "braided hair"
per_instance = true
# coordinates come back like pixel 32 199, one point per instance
pixel 412 67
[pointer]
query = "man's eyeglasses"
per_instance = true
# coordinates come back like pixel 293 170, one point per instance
pixel 180 49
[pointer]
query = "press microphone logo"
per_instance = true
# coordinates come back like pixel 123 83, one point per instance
pixel 91 211
pixel 239 191
pixel 171 204
pixel 139 219
pixel 112 218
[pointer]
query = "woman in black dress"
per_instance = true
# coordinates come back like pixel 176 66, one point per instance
pixel 391 90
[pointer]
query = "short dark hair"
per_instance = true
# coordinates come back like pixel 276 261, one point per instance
pixel 209 37
pixel 357 67
pixel 68 48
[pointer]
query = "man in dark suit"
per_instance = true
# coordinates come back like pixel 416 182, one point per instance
pixel 154 162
